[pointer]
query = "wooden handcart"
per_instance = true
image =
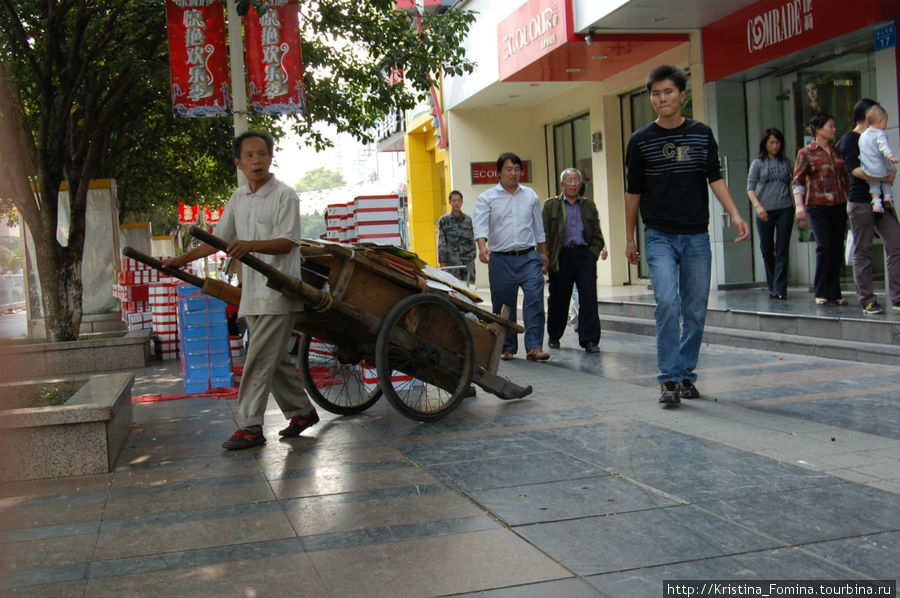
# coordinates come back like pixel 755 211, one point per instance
pixel 427 346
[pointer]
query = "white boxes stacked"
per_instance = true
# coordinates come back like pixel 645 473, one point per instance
pixel 378 219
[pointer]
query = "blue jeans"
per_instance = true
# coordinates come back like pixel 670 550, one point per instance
pixel 507 273
pixel 680 271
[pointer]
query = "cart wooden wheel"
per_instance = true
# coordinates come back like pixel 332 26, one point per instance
pixel 424 356
pixel 334 381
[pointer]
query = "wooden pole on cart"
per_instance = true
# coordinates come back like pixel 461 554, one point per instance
pixel 210 286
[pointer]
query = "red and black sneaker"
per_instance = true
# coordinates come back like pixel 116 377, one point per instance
pixel 298 424
pixel 243 439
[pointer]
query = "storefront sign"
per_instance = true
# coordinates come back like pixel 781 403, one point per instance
pixel 775 28
pixel 533 30
pixel 485 173
pixel 198 57
pixel 274 59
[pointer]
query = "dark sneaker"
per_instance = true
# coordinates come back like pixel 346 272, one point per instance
pixel 469 391
pixel 298 424
pixel 592 348
pixel 872 309
pixel 243 439
pixel 553 344
pixel 670 393
pixel 688 390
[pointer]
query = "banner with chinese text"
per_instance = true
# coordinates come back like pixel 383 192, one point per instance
pixel 198 58
pixel 274 59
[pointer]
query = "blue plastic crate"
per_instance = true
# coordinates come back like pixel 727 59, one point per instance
pixel 205 346
pixel 192 387
pixel 193 319
pixel 224 382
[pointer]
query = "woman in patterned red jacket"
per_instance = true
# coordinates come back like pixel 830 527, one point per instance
pixel 820 184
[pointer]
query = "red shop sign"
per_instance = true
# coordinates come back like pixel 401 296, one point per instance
pixel 485 173
pixel 274 59
pixel 770 29
pixel 198 57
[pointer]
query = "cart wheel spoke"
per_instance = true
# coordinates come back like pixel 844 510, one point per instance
pixel 333 380
pixel 424 356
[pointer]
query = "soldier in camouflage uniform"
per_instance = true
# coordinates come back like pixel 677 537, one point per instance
pixel 456 241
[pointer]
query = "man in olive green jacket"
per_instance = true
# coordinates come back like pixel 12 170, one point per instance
pixel 574 244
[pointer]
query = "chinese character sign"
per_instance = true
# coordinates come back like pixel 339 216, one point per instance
pixel 187 214
pixel 198 57
pixel 274 59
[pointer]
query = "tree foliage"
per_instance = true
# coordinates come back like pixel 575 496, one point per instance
pixel 84 94
pixel 319 178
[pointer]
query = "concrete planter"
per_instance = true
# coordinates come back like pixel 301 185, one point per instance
pixel 84 436
pixel 108 352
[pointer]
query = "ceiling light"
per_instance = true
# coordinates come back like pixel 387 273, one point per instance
pixel 573 70
pixel 659 20
pixel 599 56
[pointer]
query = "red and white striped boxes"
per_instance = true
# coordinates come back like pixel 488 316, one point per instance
pixel 164 314
pixel 378 219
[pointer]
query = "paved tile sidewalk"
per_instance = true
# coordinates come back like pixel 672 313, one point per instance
pixel 786 469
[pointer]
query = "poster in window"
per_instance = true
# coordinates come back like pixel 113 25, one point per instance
pixel 828 92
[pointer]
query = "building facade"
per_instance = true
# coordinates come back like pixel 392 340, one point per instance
pixel 562 83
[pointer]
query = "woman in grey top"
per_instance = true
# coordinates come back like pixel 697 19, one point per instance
pixel 769 189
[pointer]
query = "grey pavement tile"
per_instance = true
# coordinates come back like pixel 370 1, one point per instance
pixel 435 566
pixel 244 551
pixel 59 530
pixel 696 480
pixel 594 545
pixel 563 588
pixel 275 462
pixel 781 563
pixel 465 449
pixel 46 576
pixel 622 447
pixel 511 470
pixel 814 514
pixel 877 556
pixel 875 414
pixel 43 511
pixel 324 515
pixel 566 499
pixel 289 574
pixel 47 552
pixel 222 526
pixel 50 590
pixel 32 489
pixel 186 496
pixel 338 480
pixel 387 466
pixel 397 533
pixel 145 477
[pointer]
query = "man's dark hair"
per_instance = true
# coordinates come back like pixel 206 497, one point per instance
pixel 507 156
pixel 454 192
pixel 667 71
pixel 818 121
pixel 859 109
pixel 763 150
pixel 270 143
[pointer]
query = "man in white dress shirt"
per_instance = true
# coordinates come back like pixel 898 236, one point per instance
pixel 263 217
pixel 509 232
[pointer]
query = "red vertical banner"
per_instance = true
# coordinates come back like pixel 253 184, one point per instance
pixel 274 59
pixel 198 58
